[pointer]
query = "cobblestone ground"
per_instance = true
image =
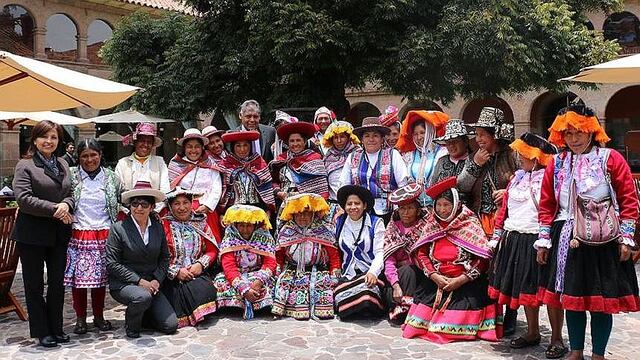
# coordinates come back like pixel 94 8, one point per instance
pixel 229 337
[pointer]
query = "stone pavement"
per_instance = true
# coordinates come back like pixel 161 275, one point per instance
pixel 229 337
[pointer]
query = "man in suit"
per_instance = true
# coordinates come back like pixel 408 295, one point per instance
pixel 69 155
pixel 250 120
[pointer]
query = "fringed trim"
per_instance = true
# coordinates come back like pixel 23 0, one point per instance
pixel 246 214
pixel 330 133
pixel 531 152
pixel 588 124
pixel 298 203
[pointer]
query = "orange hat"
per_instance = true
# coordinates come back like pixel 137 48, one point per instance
pixel 436 118
pixel 579 117
pixel 534 146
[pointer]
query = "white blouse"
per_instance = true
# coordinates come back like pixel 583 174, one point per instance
pixel 91 209
pixel 206 181
pixel 347 239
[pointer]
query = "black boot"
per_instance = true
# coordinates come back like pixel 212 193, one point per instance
pixel 48 341
pixel 510 321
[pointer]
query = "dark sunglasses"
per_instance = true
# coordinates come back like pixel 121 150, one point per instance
pixel 144 204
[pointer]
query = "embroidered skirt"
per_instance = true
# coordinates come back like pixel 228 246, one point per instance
pixel 462 315
pixel 408 277
pixel 355 297
pixel 228 296
pixel 192 300
pixel 514 274
pixel 594 278
pixel 86 259
pixel 303 296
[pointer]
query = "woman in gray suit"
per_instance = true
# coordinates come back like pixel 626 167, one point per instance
pixel 42 186
pixel 137 262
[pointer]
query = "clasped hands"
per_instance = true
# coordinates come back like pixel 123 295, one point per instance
pixel 189 273
pixel 256 291
pixel 62 213
pixel 152 286
pixel 449 284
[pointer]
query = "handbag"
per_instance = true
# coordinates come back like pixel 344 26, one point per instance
pixel 595 221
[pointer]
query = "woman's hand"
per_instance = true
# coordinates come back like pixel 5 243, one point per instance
pixel 149 286
pixel 456 282
pixel 440 280
pixel 370 280
pixel 252 295
pixel 184 275
pixel 257 285
pixel 481 157
pixel 498 195
pixel 542 255
pixel 196 269
pixel 397 293
pixel 203 209
pixel 282 195
pixel 625 252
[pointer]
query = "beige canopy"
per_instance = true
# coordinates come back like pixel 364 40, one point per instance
pixel 126 117
pixel 31 118
pixel 31 85
pixel 625 70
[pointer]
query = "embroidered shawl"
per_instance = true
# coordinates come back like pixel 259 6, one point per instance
pixel 307 170
pixel 179 167
pixel 179 232
pixel 318 232
pixel 465 230
pixel 255 167
pixel 261 242
pixel 113 188
pixel 395 238
pixel 334 159
pixel 382 180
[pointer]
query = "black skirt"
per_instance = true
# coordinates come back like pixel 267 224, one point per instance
pixel 594 278
pixel 515 273
pixel 353 297
pixel 408 278
pixel 470 296
pixel 192 300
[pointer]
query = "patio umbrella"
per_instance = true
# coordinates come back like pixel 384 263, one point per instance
pixel 31 118
pixel 127 117
pixel 110 136
pixel 619 71
pixel 31 85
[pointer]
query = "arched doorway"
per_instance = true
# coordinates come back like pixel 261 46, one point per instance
pixel 360 111
pixel 545 108
pixel 418 105
pixel 473 108
pixel 61 41
pixel 16 30
pixel 622 114
pixel 624 27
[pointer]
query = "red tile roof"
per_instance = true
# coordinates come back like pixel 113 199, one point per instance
pixel 171 5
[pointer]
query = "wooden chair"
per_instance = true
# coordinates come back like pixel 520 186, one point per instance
pixel 8 264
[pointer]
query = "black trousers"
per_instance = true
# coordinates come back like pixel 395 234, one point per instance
pixel 144 309
pixel 45 314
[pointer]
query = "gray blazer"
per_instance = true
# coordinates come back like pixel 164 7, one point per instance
pixel 38 190
pixel 129 259
pixel 267 138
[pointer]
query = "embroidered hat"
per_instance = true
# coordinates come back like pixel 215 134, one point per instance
pixel 211 130
pixel 406 194
pixel 339 127
pixel 180 191
pixel 390 116
pixel 363 193
pixel 298 203
pixel 534 146
pixel 143 128
pixel 305 129
pixel 241 135
pixel 493 118
pixel 371 123
pixel 192 133
pixel 283 118
pixel 441 186
pixel 579 117
pixel 437 119
pixel 455 128
pixel 324 110
pixel 246 214
pixel 142 188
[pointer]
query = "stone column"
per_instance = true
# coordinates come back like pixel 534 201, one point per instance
pixel 39 40
pixel 82 48
pixel 9 150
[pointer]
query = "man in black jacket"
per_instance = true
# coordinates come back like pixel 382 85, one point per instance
pixel 250 119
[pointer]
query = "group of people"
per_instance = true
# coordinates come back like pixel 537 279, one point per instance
pixel 397 218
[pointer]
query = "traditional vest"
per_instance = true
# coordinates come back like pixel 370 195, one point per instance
pixel 382 181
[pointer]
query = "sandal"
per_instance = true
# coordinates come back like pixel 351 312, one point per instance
pixel 556 351
pixel 102 324
pixel 521 342
pixel 81 326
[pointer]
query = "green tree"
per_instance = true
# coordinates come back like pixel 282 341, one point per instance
pixel 304 53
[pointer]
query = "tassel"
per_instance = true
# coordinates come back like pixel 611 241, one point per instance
pixel 248 310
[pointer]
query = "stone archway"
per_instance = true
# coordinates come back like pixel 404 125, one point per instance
pixel 359 111
pixel 545 108
pixel 472 109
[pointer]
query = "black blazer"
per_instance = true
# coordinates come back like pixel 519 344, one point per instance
pixel 38 190
pixel 267 138
pixel 129 259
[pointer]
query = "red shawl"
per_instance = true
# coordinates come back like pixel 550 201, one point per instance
pixel 255 165
pixel 179 167
pixel 307 169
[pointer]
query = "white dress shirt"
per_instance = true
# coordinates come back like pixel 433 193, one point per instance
pixel 144 234
pixel 348 237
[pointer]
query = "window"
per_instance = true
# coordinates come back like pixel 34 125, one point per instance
pixel 625 28
pixel 61 42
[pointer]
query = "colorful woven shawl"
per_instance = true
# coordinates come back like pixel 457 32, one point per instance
pixel 465 230
pixel 256 167
pixel 396 236
pixel 261 242
pixel 334 159
pixel 318 232
pixel 179 167
pixel 382 180
pixel 307 170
